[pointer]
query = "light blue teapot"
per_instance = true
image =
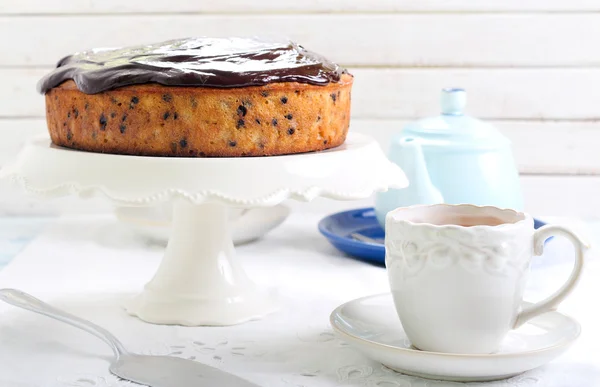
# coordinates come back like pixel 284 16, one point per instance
pixel 452 158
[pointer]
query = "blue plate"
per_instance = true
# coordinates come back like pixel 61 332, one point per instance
pixel 338 228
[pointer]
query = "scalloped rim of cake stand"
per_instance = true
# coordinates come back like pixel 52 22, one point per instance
pixel 352 171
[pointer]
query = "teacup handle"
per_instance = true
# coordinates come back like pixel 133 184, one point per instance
pixel 555 299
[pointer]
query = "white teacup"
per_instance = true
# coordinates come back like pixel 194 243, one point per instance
pixel 457 273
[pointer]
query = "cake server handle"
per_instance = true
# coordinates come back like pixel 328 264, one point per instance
pixel 23 300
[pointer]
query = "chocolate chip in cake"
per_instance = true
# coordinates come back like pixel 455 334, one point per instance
pixel 69 135
pixel 289 116
pixel 318 118
pixel 284 100
pixel 325 142
pixel 291 130
pixel 175 116
pixel 69 115
pixel 64 124
pixel 76 112
pixel 241 110
pixel 102 121
pixel 297 91
pixel 183 143
pixel 124 118
pixel 134 101
pixel 264 94
pixel 240 124
pixel 274 122
pixel 122 128
pixel 232 143
pixel 333 96
pixel 113 115
pixel 167 97
pixel 166 115
pixel 257 121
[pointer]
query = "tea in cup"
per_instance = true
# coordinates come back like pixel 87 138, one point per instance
pixel 457 273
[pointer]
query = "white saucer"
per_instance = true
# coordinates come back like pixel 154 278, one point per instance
pixel 371 325
pixel 246 225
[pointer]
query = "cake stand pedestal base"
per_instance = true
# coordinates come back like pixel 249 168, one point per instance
pixel 200 281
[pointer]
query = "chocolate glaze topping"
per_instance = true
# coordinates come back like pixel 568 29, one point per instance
pixel 207 62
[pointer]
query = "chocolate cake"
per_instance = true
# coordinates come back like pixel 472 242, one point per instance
pixel 198 97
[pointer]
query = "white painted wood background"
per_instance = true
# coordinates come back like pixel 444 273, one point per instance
pixel 530 67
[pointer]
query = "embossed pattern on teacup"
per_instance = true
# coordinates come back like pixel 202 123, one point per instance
pixel 413 247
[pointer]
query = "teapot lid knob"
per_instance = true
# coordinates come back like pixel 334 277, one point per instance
pixel 453 101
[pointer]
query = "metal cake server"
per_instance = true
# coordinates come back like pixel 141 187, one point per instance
pixel 154 371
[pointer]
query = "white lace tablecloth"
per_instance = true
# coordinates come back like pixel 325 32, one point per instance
pixel 89 265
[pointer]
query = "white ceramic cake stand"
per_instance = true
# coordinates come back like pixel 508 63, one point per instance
pixel 199 281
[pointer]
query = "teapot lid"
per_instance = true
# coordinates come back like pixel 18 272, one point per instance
pixel 454 126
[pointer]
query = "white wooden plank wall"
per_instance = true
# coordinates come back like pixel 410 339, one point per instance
pixel 530 67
